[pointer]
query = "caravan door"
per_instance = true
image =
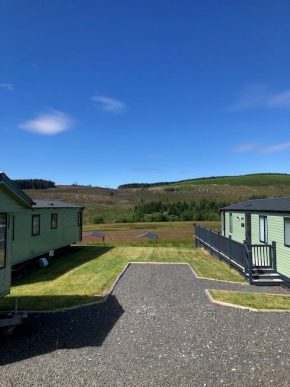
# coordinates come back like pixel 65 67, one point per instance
pixel 248 225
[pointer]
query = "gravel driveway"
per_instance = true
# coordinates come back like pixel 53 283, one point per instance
pixel 157 329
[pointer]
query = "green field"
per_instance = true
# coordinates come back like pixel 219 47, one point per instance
pixel 170 234
pixel 88 272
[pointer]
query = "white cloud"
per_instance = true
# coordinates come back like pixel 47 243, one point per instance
pixel 280 100
pixel 259 96
pixel 244 148
pixel 276 148
pixel 7 86
pixel 109 104
pixel 48 124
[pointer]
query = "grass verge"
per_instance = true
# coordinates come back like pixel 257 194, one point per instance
pixel 87 274
pixel 253 300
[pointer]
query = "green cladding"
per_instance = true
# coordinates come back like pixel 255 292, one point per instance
pixel 25 245
pixel 29 229
pixel 234 226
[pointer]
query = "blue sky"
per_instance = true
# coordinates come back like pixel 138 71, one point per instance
pixel 110 92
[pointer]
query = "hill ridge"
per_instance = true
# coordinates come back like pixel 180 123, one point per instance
pixel 207 180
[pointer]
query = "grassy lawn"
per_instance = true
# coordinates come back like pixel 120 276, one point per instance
pixel 87 274
pixel 253 300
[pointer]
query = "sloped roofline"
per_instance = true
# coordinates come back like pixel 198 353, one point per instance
pixel 15 190
pixel 279 204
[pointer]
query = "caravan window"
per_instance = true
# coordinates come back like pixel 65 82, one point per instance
pixel 3 234
pixel 231 222
pixel 54 221
pixel 35 225
pixel 287 231
pixel 263 229
pixel 80 219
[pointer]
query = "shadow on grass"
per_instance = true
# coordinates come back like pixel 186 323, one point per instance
pixel 63 264
pixel 45 333
pixel 43 303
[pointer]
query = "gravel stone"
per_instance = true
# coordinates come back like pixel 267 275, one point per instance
pixel 158 328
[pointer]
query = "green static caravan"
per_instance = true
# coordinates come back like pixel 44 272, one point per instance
pixel 261 222
pixel 31 228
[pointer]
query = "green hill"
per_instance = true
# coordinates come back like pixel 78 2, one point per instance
pixel 258 179
pixel 117 205
pixel 262 180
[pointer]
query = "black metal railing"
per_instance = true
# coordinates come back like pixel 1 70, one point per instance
pixel 243 256
pixel 248 268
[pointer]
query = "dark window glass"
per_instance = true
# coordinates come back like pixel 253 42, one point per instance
pixel 35 225
pixel 3 235
pixel 79 218
pixel 13 228
pixel 231 222
pixel 54 220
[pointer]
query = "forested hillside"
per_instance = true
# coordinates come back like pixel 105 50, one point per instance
pixel 190 199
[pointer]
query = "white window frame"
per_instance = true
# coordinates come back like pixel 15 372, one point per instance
pixel 263 228
pixel 286 244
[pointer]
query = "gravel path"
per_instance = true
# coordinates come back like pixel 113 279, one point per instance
pixel 157 329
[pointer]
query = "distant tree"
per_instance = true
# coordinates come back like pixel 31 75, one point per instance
pixel 142 185
pixel 34 183
pixel 165 211
pixel 98 220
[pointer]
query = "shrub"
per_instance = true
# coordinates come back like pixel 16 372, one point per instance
pixel 98 220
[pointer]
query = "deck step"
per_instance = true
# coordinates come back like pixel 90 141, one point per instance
pixel 267 282
pixel 270 276
pixel 265 277
pixel 263 270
